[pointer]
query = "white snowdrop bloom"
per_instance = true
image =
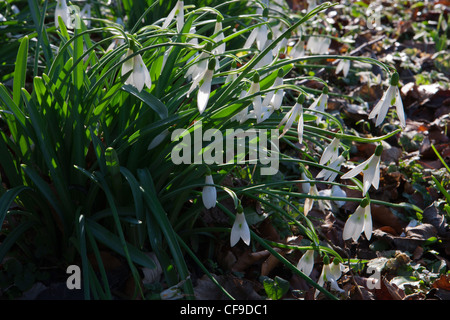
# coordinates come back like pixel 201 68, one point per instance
pixel 230 77
pixel 298 50
pixel 331 152
pixel 329 174
pixel 336 191
pixel 320 104
pixel 85 14
pixel 62 10
pixel 177 11
pixel 318 45
pixel 200 64
pixel 258 34
pixel 278 94
pixel 281 47
pixel 268 57
pixel 256 102
pixel 344 66
pixel 139 75
pixel 331 272
pixel 220 49
pixel 360 221
pixel 390 98
pixel 209 193
pixel 309 202
pixel 305 185
pixel 311 4
pixel 205 87
pixel 306 262
pixel 295 114
pixel 370 169
pixel 240 229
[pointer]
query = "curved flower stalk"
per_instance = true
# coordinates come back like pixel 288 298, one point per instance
pixel 360 221
pixel 306 262
pixel 240 229
pixel 139 75
pixel 390 98
pixel 344 66
pixel 318 45
pixel 370 169
pixel 331 152
pixel 331 272
pixel 209 193
pixel 62 10
pixel 178 11
pixel 329 174
pixel 295 114
pixel 320 104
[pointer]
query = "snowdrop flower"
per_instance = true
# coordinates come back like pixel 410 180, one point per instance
pixel 344 66
pixel 295 114
pixel 230 77
pixel 209 193
pixel 309 202
pixel 86 15
pixel 390 98
pixel 336 191
pixel 298 50
pixel 256 113
pixel 139 75
pixel 360 221
pixel 198 68
pixel 305 185
pixel 282 45
pixel 331 272
pixel 258 34
pixel 320 104
pixel 240 229
pixel 268 57
pixel 331 152
pixel 318 45
pixel 329 174
pixel 370 169
pixel 220 49
pixel 178 11
pixel 278 94
pixel 306 262
pixel 205 87
pixel 62 10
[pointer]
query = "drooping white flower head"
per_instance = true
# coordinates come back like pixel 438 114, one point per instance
pixel 277 95
pixel 139 75
pixel 209 193
pixel 331 272
pixel 320 104
pixel 344 66
pixel 336 191
pixel 240 229
pixel 258 34
pixel 298 50
pixel 360 221
pixel 318 45
pixel 257 111
pixel 178 10
pixel 390 98
pixel 331 152
pixel 220 49
pixel 295 114
pixel 331 175
pixel 205 87
pixel 62 10
pixel 370 169
pixel 306 262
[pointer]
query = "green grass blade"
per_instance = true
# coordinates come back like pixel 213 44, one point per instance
pixel 20 71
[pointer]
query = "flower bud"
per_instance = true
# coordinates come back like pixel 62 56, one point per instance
pixel 394 79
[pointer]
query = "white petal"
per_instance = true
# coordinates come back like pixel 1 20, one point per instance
pixel 170 17
pixel 306 262
pixel 376 175
pixel 354 225
pixel 367 222
pixel 399 108
pixel 240 230
pixel 331 152
pixel 251 38
pixel 209 193
pixel 127 66
pixel 356 170
pixel 300 125
pixel 180 15
pixel 203 95
pixel 261 37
